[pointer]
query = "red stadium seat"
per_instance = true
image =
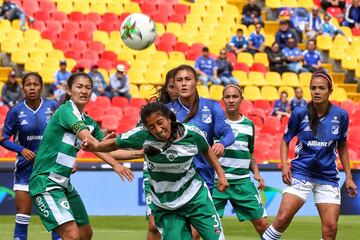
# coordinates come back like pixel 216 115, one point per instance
pixel 271 125
pixel 54 26
pixel 110 124
pixel 88 26
pixel 62 45
pixel 84 36
pixel 30 7
pixel 47 6
pixel 78 45
pixel 59 16
pixel 160 18
pixel 71 26
pixel 67 36
pixel 121 102
pixel 165 46
pixel 73 54
pixel 246 106
pixel 349 106
pixel 109 55
pixel 109 17
pixel 106 64
pixel 181 8
pixel 90 55
pixel 40 26
pixel 115 112
pixel 137 102
pixel 96 46
pixel 97 113
pixel 258 121
pixel 93 17
pixel 273 154
pixel 181 47
pixel 84 154
pixel 76 16
pixel 241 67
pixel 124 127
pixel 103 102
pixel 258 112
pixel 86 63
pixel 106 26
pixel 336 13
pixel 265 138
pixel 178 18
pixel 263 104
pixel 3 110
pixel 166 9
pixel 131 111
pixel 123 16
pixel 197 48
pixel 148 7
pixel 259 67
pixel 42 15
pixel 356 31
pixel 52 36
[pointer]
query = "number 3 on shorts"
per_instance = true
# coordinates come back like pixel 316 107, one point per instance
pixel 216 222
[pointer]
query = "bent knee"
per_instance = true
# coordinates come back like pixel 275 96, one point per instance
pixel 330 228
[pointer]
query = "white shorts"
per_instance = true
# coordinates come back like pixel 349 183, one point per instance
pixel 20 187
pixel 322 193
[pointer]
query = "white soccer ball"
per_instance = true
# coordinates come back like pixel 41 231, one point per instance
pixel 138 31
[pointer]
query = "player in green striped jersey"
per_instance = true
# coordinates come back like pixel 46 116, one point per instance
pixel 179 194
pixel 237 162
pixel 56 201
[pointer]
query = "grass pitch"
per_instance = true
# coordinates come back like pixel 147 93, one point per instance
pixel 135 228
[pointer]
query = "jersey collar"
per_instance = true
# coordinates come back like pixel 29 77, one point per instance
pixel 32 110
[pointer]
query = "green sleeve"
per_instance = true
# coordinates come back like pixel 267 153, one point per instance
pixel 97 132
pixel 134 138
pixel 252 140
pixel 70 119
pixel 201 142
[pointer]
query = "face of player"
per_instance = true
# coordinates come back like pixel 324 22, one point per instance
pixel 319 89
pixel 185 83
pixel 232 99
pixel 159 126
pixel 80 91
pixel 32 88
pixel 171 90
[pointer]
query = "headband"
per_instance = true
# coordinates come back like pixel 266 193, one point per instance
pixel 233 85
pixel 323 75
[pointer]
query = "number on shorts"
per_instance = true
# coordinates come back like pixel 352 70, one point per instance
pixel 216 224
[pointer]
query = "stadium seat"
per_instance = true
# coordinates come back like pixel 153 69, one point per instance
pixel 324 42
pixel 273 79
pixel 256 78
pixel 261 58
pixel 272 125
pixel 71 26
pixel 262 104
pixel 99 7
pixel 269 93
pixel 177 18
pixel 340 41
pixel 115 7
pixel 42 15
pixel 290 79
pixel 19 56
pixel 32 65
pixel 240 66
pixel 246 58
pixel 181 8
pixel 259 67
pixel 124 126
pixel 349 62
pixel 215 91
pixel 203 91
pixel 93 17
pixel 119 101
pixel 59 16
pixel 96 46
pixel 137 102
pixel 109 123
pixel 289 90
pixel 304 79
pixel 65 6
pixel 147 91
pixel 274 4
pixel 338 94
pixel 252 93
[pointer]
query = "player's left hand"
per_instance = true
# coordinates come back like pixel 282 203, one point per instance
pixel 218 149
pixel 261 181
pixel 89 145
pixel 351 187
pixel 124 172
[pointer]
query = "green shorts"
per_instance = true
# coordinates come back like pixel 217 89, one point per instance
pixel 59 206
pixel 199 212
pixel 244 199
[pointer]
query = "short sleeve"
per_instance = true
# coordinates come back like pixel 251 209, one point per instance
pixel 200 140
pixel 97 132
pixel 292 126
pixel 252 140
pixel 134 138
pixel 70 119
pixel 197 64
pixel 344 128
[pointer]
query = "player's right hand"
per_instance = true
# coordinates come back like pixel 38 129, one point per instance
pixel 124 172
pixel 222 184
pixel 110 135
pixel 89 145
pixel 28 154
pixel 286 174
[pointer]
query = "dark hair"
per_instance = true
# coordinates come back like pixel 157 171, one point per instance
pixel 311 40
pixel 239 30
pixel 311 111
pixel 158 107
pixel 35 74
pixel 71 80
pixel 195 105
pixel 205 49
pixel 284 92
pixel 164 96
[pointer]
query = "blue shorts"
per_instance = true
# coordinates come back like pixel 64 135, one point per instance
pixel 22 175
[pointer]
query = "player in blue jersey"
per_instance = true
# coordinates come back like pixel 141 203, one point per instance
pixel 26 122
pixel 321 129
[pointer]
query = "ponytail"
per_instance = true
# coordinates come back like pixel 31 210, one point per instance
pixel 314 119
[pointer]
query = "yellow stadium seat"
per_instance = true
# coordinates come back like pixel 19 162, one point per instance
pixel 9 46
pixel 340 41
pixel 45 45
pixel 290 79
pixel 81 6
pixel 231 10
pixel 269 93
pixel 134 91
pixel 269 40
pixel 273 79
pixel 289 90
pixel 27 45
pixel 261 58
pixel 304 79
pixel 256 78
pixel 126 55
pixel 203 91
pixel 32 34
pixel 98 7
pixel 354 51
pixel 156 66
pixel 242 78
pixel 252 93
pixel 19 56
pixel 246 58
pixel 227 20
pixel 214 10
pixel 47 75
pixel 100 36
pixel 223 31
pixel 105 74
pixel 289 3
pixel 186 38
pixel 16 24
pixel 216 92
pixel 271 27
pixel 65 6
pixel 273 4
pixel 306 3
pixel 306 93
pixel 346 31
pixel 145 55
pixel 160 29
pixel 31 65
pixel 15 35
pixel 115 36
pixel 51 63
pixel 190 28
pixel 174 28
pixel 357 71
pixel 136 77
pixel 56 55
pixel 115 7
pixel 153 77
pixel 147 91
pixel 210 19
pixel 194 19
pixel 5 24
pixel 349 62
pixel 338 94
pixel 160 56
pixel 38 54
pixel 337 53
pixel 202 38
pixel 197 9
pixel 177 56
pixel 114 46
pixel 132 7
pixel 70 63
pixel 324 42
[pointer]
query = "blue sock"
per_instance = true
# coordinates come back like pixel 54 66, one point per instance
pixel 55 236
pixel 21 226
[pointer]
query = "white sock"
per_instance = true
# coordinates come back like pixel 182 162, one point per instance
pixel 271 234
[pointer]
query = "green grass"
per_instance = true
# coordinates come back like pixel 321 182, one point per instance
pixel 134 228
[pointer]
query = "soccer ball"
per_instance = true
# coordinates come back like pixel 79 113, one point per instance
pixel 138 31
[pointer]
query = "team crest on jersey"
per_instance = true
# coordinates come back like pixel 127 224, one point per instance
pixel 171 155
pixel 64 203
pixel 335 129
pixel 151 166
pixel 335 120
pixel 206 118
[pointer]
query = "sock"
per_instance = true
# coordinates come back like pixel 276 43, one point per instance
pixel 271 234
pixel 21 226
pixel 55 236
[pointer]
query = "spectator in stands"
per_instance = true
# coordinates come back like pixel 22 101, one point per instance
pixel 277 60
pixel 313 25
pixel 11 91
pixel 256 40
pixel 58 89
pixel 119 83
pixel 312 58
pixel 224 69
pixel 293 57
pixel 325 4
pixel 328 28
pixel 298 100
pixel 281 107
pixel 251 14
pixel 352 15
pixel 11 11
pixel 99 85
pixel 206 68
pixel 238 42
pixel 284 33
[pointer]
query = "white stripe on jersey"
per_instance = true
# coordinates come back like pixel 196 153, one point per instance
pixel 234 162
pixel 61 216
pixel 65 160
pixel 239 145
pixel 244 129
pixel 181 150
pixel 170 167
pixel 234 176
pixel 186 196
pixel 61 180
pixel 69 138
pixel 169 186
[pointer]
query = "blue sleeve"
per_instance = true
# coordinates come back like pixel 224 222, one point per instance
pixel 221 128
pixel 197 63
pixel 9 130
pixel 277 38
pixel 251 38
pixel 245 42
pixel 285 52
pixel 292 126
pixel 344 129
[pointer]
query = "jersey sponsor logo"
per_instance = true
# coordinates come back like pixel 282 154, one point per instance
pixel 171 155
pixel 335 120
pixel 64 203
pixel 205 109
pixel 41 206
pixel 206 118
pixel 23 122
pixel 307 129
pixel 22 115
pixel 335 130
pixel 315 143
pixel 34 137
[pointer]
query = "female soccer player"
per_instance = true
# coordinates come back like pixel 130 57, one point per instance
pixel 321 129
pixel 56 201
pixel 168 92
pixel 179 194
pixel 237 161
pixel 26 121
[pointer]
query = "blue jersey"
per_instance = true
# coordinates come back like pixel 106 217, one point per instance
pixel 281 37
pixel 294 103
pixel 27 126
pixel 210 118
pixel 238 43
pixel 315 159
pixel 61 77
pixel 311 57
pixel 257 39
pixel 291 52
pixel 206 65
pixel 280 106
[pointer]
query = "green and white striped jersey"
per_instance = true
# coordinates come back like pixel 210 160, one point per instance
pixel 171 174
pixel 237 157
pixel 57 152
